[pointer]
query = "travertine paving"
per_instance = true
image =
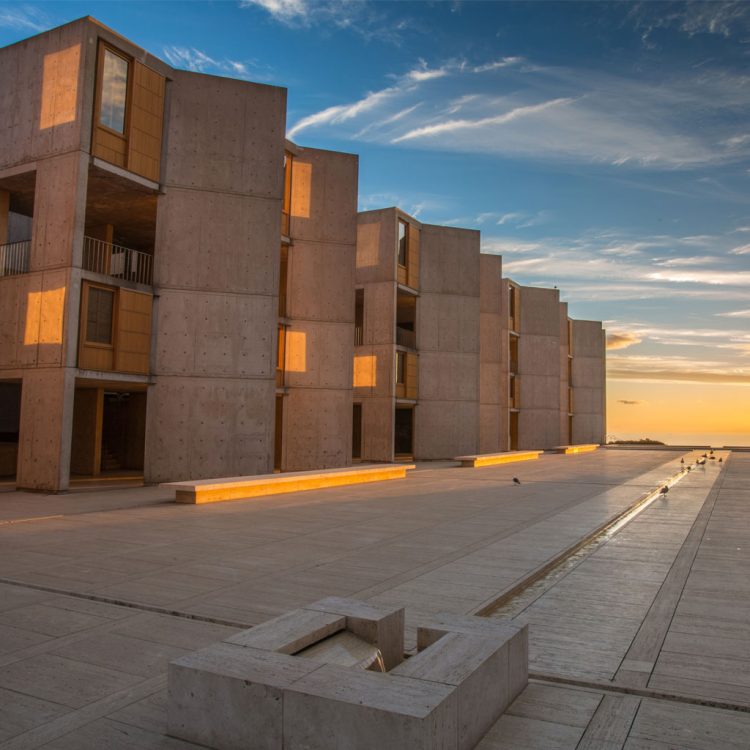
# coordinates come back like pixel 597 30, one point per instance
pixel 103 599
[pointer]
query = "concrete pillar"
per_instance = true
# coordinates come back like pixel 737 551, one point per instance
pixel 4 218
pixel 46 429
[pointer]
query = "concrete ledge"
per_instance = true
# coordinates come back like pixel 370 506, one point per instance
pixel 570 450
pixel 491 459
pixel 241 488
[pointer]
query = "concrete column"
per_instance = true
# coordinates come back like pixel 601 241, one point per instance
pixel 4 219
pixel 46 429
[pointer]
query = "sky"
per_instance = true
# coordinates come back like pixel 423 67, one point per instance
pixel 603 148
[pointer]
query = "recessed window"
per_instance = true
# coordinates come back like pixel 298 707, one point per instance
pixel 114 91
pixel 400 368
pixel 403 243
pixel 99 315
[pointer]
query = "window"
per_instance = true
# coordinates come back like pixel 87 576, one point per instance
pixel 403 243
pixel 359 317
pixel 114 91
pixel 99 315
pixel 400 368
pixel 286 206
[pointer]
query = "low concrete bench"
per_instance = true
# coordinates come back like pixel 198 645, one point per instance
pixel 240 488
pixel 573 449
pixel 491 459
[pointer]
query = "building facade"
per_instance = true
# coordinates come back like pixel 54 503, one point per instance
pixel 184 293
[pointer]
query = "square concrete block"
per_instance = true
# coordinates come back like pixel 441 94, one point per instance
pixel 517 637
pixel 477 667
pixel 374 623
pixel 290 632
pixel 229 697
pixel 336 707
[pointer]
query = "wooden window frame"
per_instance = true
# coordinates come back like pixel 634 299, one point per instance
pixel 400 367
pixel 85 316
pixel 104 46
pixel 405 224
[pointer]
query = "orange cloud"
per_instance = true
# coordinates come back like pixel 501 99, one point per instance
pixel 622 339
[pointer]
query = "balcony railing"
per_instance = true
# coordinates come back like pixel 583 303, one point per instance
pixel 359 335
pixel 117 261
pixel 406 338
pixel 14 258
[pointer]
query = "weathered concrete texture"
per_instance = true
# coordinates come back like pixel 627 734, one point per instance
pixel 565 402
pixel 216 272
pixel 493 376
pixel 376 246
pixel 199 425
pixel 589 382
pixel 377 428
pixel 42 97
pixel 46 429
pixel 539 368
pixel 317 410
pixel 447 417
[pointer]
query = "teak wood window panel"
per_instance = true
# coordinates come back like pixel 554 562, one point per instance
pixel 109 143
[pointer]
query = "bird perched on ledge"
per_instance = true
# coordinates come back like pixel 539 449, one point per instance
pixel 664 490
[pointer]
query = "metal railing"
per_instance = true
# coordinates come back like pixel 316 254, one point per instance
pixel 14 258
pixel 117 261
pixel 359 335
pixel 406 338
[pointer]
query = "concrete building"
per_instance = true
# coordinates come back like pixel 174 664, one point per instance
pixel 184 293
pixel 451 358
pixel 163 252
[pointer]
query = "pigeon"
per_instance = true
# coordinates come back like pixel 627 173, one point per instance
pixel 720 460
pixel 711 452
pixel 664 490
pixel 516 480
pixel 682 460
pixel 713 458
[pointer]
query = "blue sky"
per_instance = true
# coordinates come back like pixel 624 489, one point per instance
pixel 603 148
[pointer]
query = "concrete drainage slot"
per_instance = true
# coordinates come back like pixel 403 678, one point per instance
pixel 517 600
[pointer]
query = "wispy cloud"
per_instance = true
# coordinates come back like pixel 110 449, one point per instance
pixel 452 126
pixel 628 402
pixel 24 18
pixel 371 21
pixel 742 250
pixel 198 61
pixel 674 369
pixel 539 112
pixel 622 340
pixel 735 314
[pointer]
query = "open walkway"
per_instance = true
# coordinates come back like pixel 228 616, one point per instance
pixel 95 602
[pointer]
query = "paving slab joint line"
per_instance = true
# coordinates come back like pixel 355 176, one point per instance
pixel 488 607
pixel 613 687
pixel 125 603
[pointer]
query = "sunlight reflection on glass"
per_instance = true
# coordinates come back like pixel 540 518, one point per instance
pixel 114 92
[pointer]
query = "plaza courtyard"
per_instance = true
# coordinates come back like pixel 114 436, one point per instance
pixel 639 634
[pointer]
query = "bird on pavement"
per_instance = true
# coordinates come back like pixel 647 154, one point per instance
pixel 664 490
pixel 721 460
pixel 516 480
pixel 682 460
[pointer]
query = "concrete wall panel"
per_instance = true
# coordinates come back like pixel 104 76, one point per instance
pixel 376 246
pixel 321 282
pixel 226 135
pixel 324 197
pixel 450 260
pixel 538 429
pixel 444 429
pixel 215 335
pixel 377 429
pixel 448 322
pixel 448 376
pixel 319 355
pixel 42 98
pixel 319 433
pixel 201 428
pixel 46 429
pixel 217 242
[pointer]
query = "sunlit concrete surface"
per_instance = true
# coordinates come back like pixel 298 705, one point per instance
pixel 107 587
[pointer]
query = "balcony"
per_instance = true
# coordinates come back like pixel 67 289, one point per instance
pixel 14 258
pixel 405 337
pixel 117 262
